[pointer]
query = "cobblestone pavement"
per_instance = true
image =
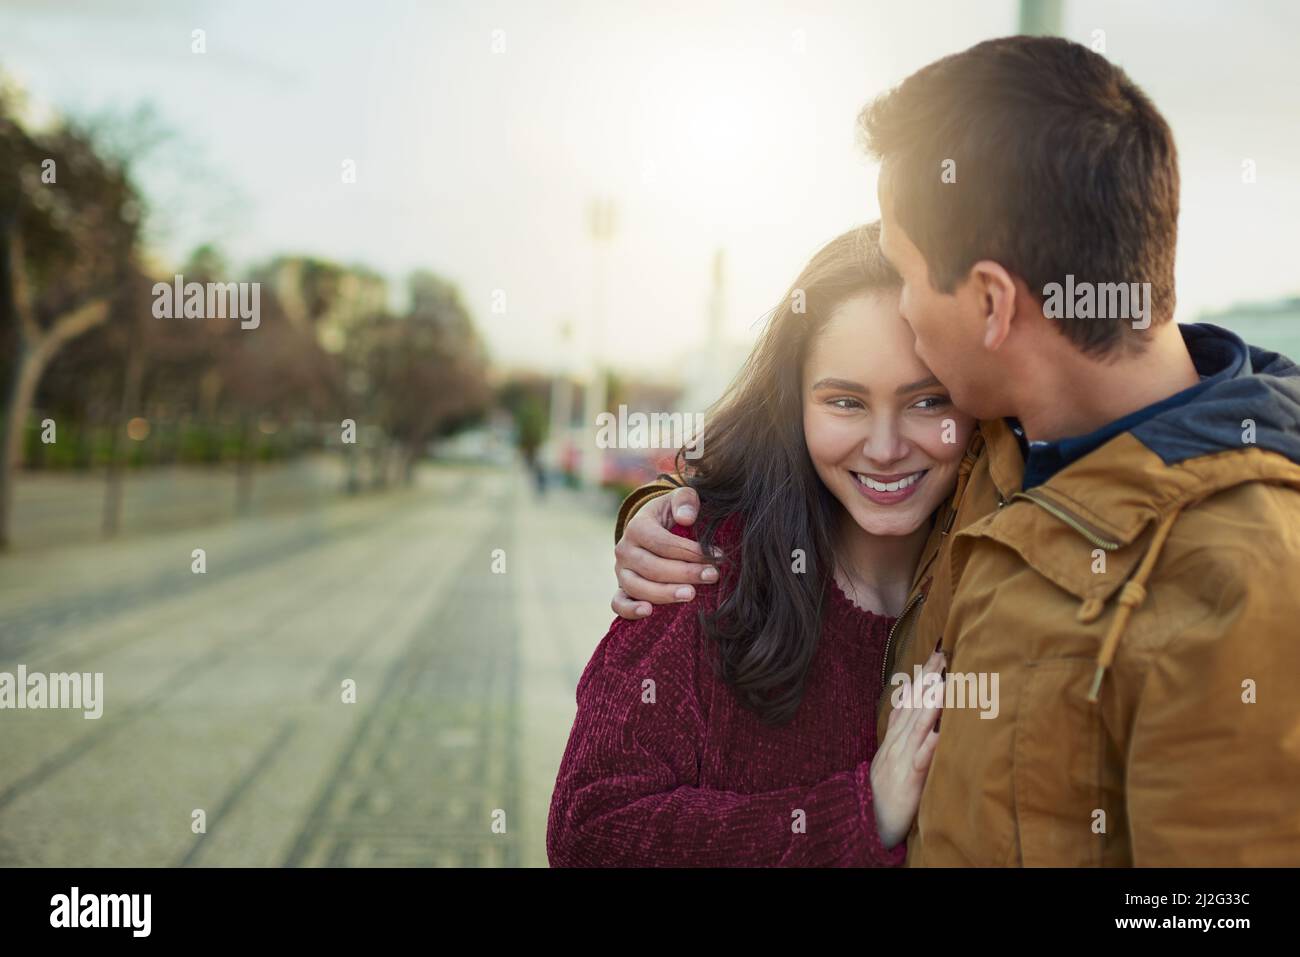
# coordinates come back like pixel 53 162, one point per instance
pixel 224 692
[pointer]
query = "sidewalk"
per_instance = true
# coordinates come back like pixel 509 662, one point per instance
pixel 222 692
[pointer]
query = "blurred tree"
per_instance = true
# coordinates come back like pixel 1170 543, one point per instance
pixel 526 397
pixel 69 228
pixel 78 339
pixel 271 376
pixel 423 371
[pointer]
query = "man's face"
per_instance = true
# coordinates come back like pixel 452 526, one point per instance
pixel 949 328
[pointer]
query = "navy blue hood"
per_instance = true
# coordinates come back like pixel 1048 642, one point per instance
pixel 1244 382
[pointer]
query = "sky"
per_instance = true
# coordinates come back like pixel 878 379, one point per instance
pixel 482 131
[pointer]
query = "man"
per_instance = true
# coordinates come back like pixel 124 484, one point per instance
pixel 1123 554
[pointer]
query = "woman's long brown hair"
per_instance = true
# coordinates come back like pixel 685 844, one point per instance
pixel 753 465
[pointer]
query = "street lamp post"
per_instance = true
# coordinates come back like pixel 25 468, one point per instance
pixel 561 403
pixel 601 222
pixel 1041 17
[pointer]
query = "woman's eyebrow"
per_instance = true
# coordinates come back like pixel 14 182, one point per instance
pixel 848 385
pixel 929 382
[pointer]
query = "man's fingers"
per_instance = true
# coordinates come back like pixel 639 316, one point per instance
pixel 661 542
pixel 667 571
pixel 685 505
pixel 641 589
pixel 627 607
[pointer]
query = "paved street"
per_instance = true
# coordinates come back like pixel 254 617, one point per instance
pixel 224 691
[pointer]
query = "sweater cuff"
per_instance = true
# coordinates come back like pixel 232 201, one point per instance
pixel 877 854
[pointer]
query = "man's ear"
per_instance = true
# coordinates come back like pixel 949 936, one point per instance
pixel 996 289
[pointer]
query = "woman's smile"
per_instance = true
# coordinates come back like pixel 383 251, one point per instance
pixel 888 489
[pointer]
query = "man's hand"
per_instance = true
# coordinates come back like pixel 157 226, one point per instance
pixel 655 567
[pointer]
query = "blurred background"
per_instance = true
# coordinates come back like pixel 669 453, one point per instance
pixel 474 228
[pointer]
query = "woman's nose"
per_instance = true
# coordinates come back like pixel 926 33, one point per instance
pixel 885 444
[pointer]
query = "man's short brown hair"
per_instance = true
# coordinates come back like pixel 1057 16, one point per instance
pixel 1059 166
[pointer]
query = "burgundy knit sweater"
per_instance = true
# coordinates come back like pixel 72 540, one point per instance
pixel 681 774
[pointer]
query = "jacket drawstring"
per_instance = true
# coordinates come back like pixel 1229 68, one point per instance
pixel 1131 596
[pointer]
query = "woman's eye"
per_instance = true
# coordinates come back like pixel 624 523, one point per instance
pixel 846 403
pixel 939 401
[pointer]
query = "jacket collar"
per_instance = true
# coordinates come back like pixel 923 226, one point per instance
pixel 1109 500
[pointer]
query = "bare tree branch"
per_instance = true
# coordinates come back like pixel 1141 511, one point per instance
pixel 20 294
pixel 72 324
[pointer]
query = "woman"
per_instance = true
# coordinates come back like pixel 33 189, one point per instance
pixel 739 729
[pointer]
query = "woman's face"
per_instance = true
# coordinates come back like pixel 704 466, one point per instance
pixel 883 434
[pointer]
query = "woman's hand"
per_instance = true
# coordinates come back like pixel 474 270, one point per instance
pixel 900 766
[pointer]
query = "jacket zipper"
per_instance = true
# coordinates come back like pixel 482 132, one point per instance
pixel 1070 520
pixel 889 639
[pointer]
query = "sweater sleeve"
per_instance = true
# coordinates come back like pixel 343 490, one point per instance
pixel 628 792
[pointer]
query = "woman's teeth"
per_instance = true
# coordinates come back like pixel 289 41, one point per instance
pixel 902 483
